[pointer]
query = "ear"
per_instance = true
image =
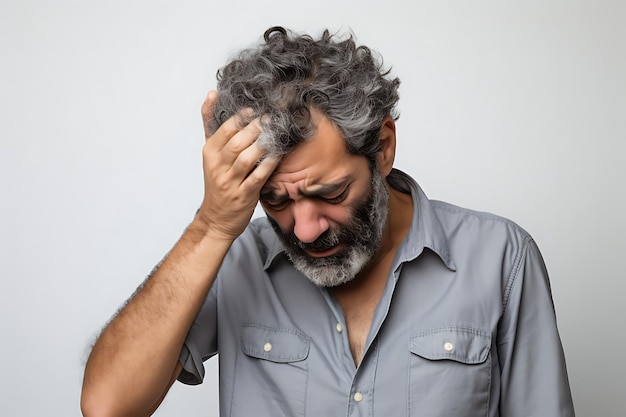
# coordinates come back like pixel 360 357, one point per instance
pixel 387 138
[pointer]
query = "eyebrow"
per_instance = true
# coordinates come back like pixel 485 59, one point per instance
pixel 316 192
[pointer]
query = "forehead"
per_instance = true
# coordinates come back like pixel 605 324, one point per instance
pixel 321 160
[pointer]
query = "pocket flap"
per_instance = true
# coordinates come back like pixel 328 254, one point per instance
pixel 276 344
pixel 461 344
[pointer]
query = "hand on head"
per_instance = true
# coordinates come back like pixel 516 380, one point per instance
pixel 234 171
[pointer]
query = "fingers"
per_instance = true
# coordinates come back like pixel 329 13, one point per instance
pixel 242 139
pixel 259 176
pixel 232 149
pixel 228 128
pixel 247 161
pixel 233 153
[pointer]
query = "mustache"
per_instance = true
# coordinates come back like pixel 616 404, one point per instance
pixel 327 240
pixel 356 230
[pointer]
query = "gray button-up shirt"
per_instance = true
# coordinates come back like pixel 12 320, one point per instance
pixel 465 327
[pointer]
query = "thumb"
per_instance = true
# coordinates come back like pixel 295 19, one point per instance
pixel 207 112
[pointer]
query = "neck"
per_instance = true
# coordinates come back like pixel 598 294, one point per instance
pixel 398 222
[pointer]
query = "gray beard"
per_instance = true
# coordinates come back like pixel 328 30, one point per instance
pixel 361 236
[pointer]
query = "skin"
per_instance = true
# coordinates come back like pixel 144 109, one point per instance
pixel 135 360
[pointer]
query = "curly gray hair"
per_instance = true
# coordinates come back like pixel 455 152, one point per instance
pixel 287 75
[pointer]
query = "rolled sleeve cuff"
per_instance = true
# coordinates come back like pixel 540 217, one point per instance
pixel 193 368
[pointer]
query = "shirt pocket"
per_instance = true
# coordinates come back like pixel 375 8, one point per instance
pixel 271 372
pixel 450 372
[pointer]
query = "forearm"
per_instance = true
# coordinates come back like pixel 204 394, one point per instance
pixel 132 363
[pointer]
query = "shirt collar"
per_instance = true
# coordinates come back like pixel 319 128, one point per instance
pixel 274 246
pixel 425 232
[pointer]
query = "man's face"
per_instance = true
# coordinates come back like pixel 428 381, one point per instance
pixel 327 207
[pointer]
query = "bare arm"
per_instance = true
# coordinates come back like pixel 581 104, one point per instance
pixel 135 359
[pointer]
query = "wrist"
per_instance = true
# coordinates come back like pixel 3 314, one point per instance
pixel 203 228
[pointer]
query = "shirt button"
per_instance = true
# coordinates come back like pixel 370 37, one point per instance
pixel 358 397
pixel 448 347
pixel 339 327
pixel 267 347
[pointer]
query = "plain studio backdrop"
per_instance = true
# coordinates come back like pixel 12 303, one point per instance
pixel 517 108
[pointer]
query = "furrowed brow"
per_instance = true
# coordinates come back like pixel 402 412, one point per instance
pixel 316 191
pixel 272 196
pixel 324 189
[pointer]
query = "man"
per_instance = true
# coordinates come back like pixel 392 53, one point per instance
pixel 356 295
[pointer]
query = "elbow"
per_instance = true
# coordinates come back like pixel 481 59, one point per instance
pixel 102 402
pixel 94 403
pixel 92 406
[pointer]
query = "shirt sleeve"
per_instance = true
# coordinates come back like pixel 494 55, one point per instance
pixel 201 341
pixel 534 378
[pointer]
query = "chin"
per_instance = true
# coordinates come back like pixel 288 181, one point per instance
pixel 333 271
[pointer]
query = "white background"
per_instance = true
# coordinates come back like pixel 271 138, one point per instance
pixel 517 108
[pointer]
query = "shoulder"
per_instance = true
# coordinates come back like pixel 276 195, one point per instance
pixel 480 238
pixel 476 222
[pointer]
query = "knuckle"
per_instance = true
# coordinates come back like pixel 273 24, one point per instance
pixel 222 184
pixel 228 129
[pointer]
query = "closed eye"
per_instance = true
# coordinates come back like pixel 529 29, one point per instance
pixel 337 199
pixel 274 202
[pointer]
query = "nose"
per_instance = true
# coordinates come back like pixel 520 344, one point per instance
pixel 309 221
